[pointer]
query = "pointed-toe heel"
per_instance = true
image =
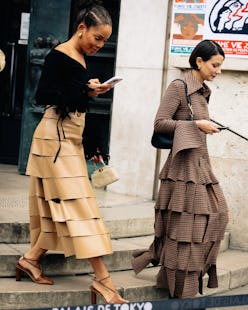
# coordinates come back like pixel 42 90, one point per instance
pixel 108 295
pixel 41 279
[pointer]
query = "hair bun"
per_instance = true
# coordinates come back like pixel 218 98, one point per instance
pixel 83 4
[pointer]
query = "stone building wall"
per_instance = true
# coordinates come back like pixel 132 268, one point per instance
pixel 141 60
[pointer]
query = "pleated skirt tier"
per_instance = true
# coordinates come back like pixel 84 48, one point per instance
pixel 190 222
pixel 64 215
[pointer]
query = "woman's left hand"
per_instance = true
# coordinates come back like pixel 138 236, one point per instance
pixel 97 87
pixel 206 126
pixel 97 159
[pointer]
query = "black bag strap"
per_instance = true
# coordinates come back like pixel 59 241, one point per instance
pixel 189 103
pixel 191 113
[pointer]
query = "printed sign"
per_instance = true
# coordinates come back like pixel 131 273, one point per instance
pixel 24 29
pixel 224 21
pixel 169 304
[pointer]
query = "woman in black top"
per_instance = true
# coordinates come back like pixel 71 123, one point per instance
pixel 64 214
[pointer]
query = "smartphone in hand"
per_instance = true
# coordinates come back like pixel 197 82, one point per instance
pixel 114 80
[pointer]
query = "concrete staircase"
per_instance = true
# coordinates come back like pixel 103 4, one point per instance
pixel 130 220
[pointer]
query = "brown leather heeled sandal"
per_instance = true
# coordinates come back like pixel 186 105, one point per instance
pixel 41 279
pixel 109 295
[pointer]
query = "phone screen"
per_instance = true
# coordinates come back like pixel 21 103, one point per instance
pixel 114 80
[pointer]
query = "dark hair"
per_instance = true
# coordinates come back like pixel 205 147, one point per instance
pixel 205 49
pixel 91 13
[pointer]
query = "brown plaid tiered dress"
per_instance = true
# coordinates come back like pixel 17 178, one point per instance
pixel 190 212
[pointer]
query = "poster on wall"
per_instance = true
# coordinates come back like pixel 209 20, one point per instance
pixel 224 21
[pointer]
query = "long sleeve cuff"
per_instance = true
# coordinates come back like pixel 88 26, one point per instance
pixel 186 136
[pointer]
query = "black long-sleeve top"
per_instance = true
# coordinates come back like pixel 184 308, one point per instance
pixel 63 84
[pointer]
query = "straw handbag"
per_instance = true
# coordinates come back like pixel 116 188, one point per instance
pixel 104 176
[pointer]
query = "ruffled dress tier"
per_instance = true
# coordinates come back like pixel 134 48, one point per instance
pixel 190 212
pixel 64 214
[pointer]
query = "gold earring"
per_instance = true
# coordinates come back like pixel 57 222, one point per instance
pixel 80 35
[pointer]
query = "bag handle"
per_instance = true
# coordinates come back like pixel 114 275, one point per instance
pixel 97 168
pixel 189 103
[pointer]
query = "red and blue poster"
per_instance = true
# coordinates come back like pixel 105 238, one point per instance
pixel 224 21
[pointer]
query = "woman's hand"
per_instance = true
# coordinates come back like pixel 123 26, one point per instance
pixel 97 87
pixel 97 159
pixel 206 126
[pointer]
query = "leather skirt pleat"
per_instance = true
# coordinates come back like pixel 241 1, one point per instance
pixel 64 215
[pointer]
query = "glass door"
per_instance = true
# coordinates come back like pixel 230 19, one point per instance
pixel 12 77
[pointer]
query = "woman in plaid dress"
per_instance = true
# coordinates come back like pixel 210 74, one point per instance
pixel 190 212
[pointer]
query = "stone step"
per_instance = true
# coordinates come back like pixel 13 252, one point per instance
pixel 56 263
pixel 125 217
pixel 74 290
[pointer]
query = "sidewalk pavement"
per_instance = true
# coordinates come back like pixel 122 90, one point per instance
pixel 14 190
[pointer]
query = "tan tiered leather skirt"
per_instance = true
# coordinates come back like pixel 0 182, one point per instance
pixel 64 215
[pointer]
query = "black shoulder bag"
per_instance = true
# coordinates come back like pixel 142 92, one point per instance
pixel 162 140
